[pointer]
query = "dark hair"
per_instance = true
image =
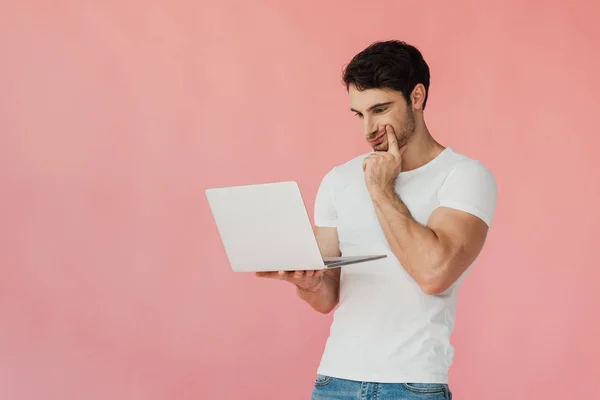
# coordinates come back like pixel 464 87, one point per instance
pixel 391 64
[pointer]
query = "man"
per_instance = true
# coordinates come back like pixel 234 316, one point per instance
pixel 427 207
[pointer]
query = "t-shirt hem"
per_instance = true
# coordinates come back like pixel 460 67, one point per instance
pixel 385 377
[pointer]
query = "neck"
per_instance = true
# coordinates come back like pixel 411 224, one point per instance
pixel 421 148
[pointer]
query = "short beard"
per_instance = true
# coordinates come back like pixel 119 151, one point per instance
pixel 407 130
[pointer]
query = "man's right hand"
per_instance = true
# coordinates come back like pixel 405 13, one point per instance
pixel 309 281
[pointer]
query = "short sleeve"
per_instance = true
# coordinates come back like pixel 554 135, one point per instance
pixel 325 211
pixel 471 188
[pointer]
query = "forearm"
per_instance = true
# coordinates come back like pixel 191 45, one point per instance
pixel 418 248
pixel 325 296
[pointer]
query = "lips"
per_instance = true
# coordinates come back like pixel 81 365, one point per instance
pixel 377 140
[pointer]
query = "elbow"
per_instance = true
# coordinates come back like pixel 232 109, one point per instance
pixel 326 309
pixel 323 310
pixel 433 288
pixel 434 284
pixel 438 278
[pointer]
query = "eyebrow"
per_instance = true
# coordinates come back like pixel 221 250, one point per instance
pixel 374 106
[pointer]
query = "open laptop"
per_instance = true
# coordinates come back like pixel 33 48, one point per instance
pixel 266 227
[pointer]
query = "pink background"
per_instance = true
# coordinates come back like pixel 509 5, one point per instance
pixel 116 115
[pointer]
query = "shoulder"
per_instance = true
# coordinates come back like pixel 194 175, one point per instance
pixel 335 180
pixel 341 175
pixel 465 168
pixel 350 169
pixel 469 186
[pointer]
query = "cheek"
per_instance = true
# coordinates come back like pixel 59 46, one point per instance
pixel 393 119
pixel 398 126
pixel 384 120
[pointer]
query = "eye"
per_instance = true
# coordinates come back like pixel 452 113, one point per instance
pixel 378 110
pixel 359 115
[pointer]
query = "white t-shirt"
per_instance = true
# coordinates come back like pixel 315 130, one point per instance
pixel 385 329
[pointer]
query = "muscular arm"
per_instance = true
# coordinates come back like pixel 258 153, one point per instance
pixel 434 255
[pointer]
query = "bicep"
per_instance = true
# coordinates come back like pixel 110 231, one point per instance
pixel 462 236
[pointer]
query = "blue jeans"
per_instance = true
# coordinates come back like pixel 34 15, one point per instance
pixel 328 388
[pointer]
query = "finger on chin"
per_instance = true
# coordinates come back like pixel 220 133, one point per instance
pixel 391 139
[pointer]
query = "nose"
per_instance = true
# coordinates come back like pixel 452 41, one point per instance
pixel 370 128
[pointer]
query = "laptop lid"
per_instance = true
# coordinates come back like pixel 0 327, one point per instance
pixel 265 227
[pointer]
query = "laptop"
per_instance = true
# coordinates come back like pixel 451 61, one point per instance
pixel 265 227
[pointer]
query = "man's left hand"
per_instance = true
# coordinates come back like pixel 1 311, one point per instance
pixel 382 167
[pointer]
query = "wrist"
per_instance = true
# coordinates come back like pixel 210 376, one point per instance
pixel 386 200
pixel 383 195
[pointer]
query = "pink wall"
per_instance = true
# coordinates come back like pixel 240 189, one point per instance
pixel 115 116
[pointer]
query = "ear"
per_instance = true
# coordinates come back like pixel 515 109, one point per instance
pixel 417 96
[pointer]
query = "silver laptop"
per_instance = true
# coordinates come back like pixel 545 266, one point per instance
pixel 266 227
